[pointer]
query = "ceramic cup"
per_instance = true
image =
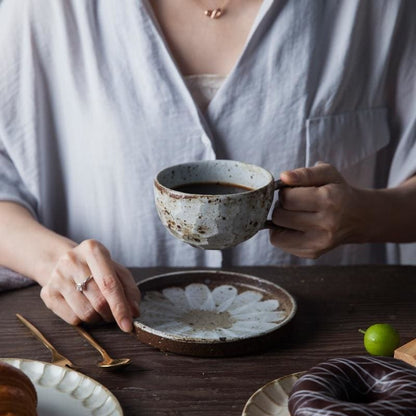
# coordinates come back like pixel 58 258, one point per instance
pixel 214 221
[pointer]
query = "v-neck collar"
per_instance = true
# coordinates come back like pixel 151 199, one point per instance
pixel 159 41
pixel 233 74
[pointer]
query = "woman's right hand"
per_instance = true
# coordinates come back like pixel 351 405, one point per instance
pixel 110 295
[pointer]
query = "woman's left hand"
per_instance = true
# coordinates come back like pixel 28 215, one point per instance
pixel 318 212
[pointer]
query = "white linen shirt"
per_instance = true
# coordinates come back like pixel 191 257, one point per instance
pixel 92 106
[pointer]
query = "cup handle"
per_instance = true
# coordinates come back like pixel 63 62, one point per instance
pixel 269 225
pixel 279 184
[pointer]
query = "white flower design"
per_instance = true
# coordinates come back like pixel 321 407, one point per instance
pixel 222 314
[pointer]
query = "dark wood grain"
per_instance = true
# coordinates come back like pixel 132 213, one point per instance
pixel 333 303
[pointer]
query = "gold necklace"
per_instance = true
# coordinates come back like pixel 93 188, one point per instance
pixel 216 13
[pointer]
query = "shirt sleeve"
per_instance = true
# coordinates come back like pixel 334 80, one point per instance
pixel 403 96
pixel 17 107
pixel 12 188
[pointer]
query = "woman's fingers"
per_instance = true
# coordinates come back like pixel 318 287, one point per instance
pixel 57 303
pixel 319 212
pixel 300 199
pixel 318 175
pixel 294 220
pixel 72 269
pixel 81 306
pixel 61 295
pixel 309 191
pixel 92 292
pixel 110 294
pixel 310 244
pixel 72 309
pixel 107 280
pixel 130 288
pixel 98 301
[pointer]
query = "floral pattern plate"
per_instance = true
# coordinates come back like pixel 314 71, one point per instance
pixel 65 392
pixel 271 399
pixel 211 313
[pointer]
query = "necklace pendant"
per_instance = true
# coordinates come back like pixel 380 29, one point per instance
pixel 214 13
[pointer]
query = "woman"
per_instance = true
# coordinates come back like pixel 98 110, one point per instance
pixel 97 96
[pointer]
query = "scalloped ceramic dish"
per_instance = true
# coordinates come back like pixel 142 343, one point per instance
pixel 211 313
pixel 65 392
pixel 271 399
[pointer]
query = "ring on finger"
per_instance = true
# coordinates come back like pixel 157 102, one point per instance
pixel 81 287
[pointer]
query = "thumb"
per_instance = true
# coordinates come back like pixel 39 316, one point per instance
pixel 320 174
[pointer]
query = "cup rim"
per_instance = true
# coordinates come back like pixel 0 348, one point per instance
pixel 159 185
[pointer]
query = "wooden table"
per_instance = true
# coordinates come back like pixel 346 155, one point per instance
pixel 333 303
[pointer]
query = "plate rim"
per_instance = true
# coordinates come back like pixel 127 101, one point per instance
pixel 82 375
pixel 203 341
pixel 250 400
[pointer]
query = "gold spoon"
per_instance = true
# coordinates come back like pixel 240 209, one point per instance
pixel 107 361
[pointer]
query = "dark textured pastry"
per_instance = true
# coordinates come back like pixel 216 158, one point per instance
pixel 356 386
pixel 17 393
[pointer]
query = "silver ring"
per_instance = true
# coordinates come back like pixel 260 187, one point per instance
pixel 80 287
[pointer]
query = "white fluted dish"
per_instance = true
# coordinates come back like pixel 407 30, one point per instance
pixel 211 313
pixel 65 392
pixel 272 398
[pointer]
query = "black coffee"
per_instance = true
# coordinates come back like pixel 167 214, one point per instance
pixel 212 188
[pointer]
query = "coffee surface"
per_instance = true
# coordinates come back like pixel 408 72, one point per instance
pixel 212 188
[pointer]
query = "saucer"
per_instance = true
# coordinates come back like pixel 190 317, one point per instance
pixel 211 313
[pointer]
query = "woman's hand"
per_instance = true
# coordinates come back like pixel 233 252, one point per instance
pixel 110 294
pixel 320 212
pixel 58 263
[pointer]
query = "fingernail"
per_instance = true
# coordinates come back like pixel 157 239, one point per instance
pixel 293 176
pixel 126 325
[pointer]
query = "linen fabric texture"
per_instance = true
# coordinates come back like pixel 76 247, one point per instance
pixel 92 106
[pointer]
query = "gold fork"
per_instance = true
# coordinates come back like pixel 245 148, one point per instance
pixel 57 358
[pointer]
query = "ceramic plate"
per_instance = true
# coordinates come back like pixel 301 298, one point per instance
pixel 271 399
pixel 211 313
pixel 65 392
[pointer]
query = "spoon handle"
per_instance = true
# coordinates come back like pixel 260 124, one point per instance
pixel 93 342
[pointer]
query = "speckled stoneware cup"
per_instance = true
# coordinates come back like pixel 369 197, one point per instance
pixel 214 221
